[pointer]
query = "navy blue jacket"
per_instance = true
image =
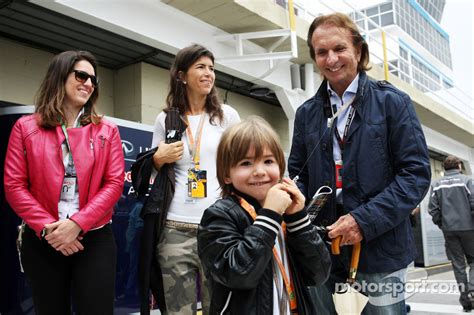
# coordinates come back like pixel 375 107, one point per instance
pixel 386 169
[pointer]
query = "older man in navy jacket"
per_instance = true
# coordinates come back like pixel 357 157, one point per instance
pixel 363 139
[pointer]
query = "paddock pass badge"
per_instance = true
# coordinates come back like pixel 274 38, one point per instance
pixel 197 183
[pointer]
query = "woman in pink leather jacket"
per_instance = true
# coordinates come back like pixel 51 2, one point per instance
pixel 63 174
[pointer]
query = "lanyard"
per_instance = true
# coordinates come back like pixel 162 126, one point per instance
pixel 195 146
pixel 329 126
pixel 341 110
pixel 350 117
pixel 288 283
pixel 64 129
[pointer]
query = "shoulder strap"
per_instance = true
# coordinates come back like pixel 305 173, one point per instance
pixel 141 172
pixel 174 125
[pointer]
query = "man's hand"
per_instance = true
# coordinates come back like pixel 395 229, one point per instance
pixel 348 228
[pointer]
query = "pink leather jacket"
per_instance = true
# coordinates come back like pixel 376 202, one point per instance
pixel 34 172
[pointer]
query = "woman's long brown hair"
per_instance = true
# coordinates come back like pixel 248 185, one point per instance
pixel 51 94
pixel 177 96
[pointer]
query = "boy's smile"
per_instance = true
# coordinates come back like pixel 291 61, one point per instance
pixel 255 177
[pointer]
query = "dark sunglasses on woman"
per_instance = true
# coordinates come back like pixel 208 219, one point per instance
pixel 82 76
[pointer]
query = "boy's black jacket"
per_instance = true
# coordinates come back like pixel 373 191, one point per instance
pixel 237 258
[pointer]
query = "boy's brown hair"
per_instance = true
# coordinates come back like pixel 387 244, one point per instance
pixel 237 140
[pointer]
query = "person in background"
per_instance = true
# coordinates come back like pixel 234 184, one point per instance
pixel 452 209
pixel 363 139
pixel 63 174
pixel 256 263
pixel 192 90
pixel 414 223
pixel 133 235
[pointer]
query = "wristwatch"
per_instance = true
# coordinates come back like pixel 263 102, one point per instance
pixel 43 233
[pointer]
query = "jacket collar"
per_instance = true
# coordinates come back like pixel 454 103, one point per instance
pixel 322 99
pixel 452 172
pixel 348 93
pixel 255 204
pixel 358 104
pixel 322 93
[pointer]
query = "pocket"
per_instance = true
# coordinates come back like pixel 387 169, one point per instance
pixel 374 161
pixel 103 141
pixel 311 140
pixel 394 242
pixel 102 146
pixel 32 148
pixel 379 158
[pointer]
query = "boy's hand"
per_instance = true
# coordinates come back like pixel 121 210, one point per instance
pixel 277 199
pixel 297 197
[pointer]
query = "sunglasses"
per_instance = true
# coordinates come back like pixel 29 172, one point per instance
pixel 82 76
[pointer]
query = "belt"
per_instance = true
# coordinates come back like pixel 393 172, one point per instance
pixel 181 226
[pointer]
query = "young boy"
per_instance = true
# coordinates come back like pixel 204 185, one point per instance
pixel 256 264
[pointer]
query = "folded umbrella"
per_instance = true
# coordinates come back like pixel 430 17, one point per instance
pixel 349 301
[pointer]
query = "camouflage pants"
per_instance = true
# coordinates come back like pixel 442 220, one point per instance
pixel 180 266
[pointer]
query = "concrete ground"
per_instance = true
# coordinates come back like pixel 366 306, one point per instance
pixel 433 291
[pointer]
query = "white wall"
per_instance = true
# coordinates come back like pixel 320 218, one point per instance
pixel 154 90
pixel 23 68
pixel 273 114
pixel 440 143
pixel 136 92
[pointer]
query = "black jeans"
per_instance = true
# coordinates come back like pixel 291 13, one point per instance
pixel 88 277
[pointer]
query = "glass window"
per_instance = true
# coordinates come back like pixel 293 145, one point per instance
pixel 403 53
pixel 375 19
pixel 385 7
pixel 281 3
pixel 386 19
pixel 373 11
pixel 447 85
